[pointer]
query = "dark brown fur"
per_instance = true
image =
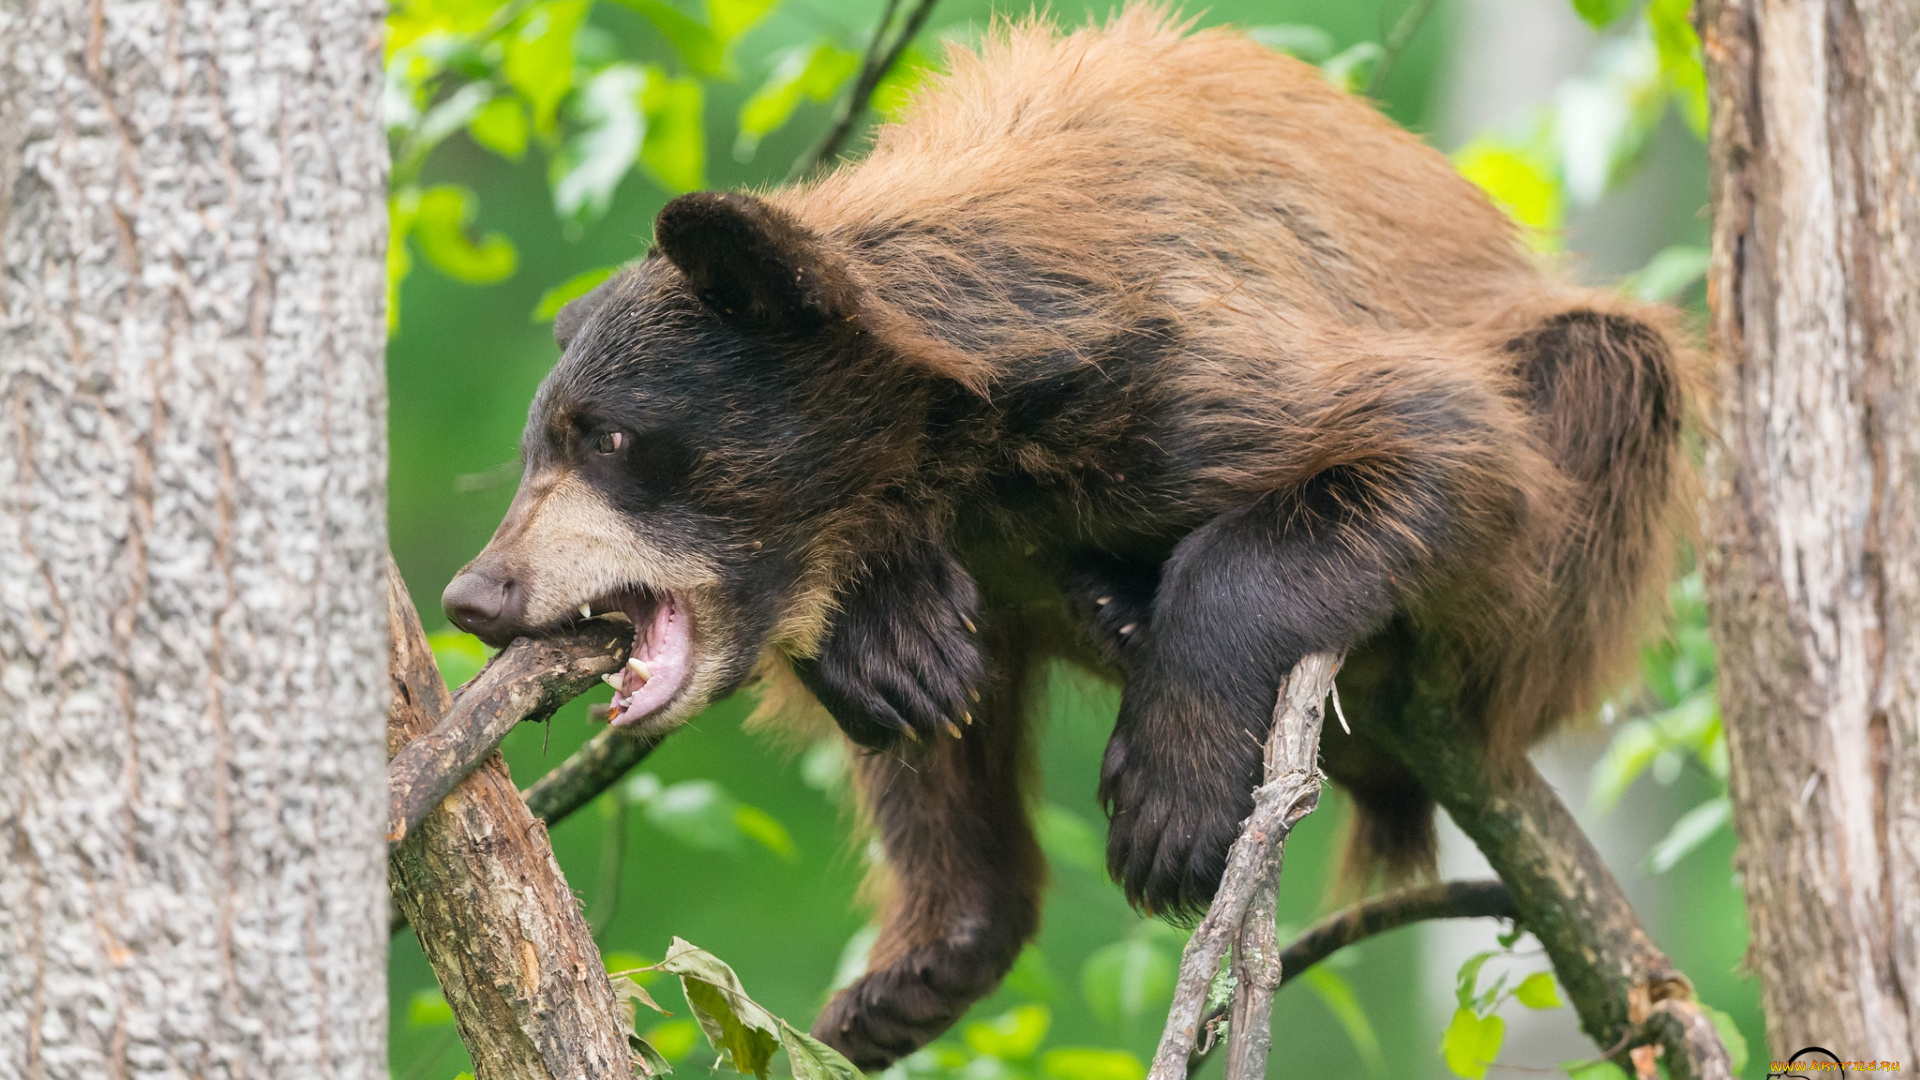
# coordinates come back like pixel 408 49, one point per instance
pixel 1151 351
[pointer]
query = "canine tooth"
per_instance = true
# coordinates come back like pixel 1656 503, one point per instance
pixel 639 667
pixel 611 680
pixel 586 611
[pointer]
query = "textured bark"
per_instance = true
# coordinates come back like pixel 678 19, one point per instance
pixel 1625 990
pixel 526 682
pixel 478 881
pixel 192 528
pixel 1813 553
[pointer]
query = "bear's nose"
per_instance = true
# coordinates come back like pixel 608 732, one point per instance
pixel 485 606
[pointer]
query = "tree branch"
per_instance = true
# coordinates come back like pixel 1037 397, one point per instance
pixel 1626 991
pixel 1375 915
pixel 1291 792
pixel 527 681
pixel 882 54
pixel 477 879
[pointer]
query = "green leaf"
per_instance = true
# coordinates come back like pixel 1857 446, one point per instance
pixel 589 169
pixel 815 71
pixel 1471 1043
pixel 736 1026
pixel 1087 1063
pixel 460 655
pixel 501 126
pixel 1632 748
pixel 1694 828
pixel 537 58
pixel 569 290
pixel 763 829
pixel 1067 839
pixel 1601 14
pixel 811 1059
pixel 1011 1036
pixel 1031 978
pixel 1519 183
pixel 674 1039
pixel 1126 980
pixel 646 1059
pixel 1337 995
pixel 1730 1037
pixel 429 1008
pixel 1309 43
pixel 896 88
pixel 698 813
pixel 731 18
pixel 1680 59
pixel 1352 67
pixel 675 147
pixel 697 44
pixel 1538 991
pixel 1670 273
pixel 440 219
pixel 1594 1070
pixel 1466 983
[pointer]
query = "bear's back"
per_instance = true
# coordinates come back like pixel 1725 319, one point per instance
pixel 1204 171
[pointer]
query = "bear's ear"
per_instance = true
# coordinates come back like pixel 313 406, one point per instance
pixel 751 262
pixel 575 313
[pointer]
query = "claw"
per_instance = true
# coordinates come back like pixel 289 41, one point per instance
pixel 953 729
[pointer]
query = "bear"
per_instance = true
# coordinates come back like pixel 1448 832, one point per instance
pixel 1131 347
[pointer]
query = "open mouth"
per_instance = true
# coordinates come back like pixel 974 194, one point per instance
pixel 662 652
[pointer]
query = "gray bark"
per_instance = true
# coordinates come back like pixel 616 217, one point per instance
pixel 192 537
pixel 1814 507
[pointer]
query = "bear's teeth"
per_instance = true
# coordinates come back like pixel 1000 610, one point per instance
pixel 611 680
pixel 640 668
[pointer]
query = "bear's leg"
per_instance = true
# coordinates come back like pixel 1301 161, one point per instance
pixel 1239 602
pixel 963 874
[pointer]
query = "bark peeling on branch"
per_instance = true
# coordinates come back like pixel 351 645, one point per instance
pixel 526 682
pixel 478 881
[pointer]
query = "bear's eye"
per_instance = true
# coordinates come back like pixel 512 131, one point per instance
pixel 610 442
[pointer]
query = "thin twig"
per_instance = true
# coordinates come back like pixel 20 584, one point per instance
pixel 883 52
pixel 1486 899
pixel 1396 42
pixel 1291 791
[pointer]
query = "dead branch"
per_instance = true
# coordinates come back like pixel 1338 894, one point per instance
pixel 526 682
pixel 478 880
pixel 1291 791
pixel 1626 991
pixel 1375 915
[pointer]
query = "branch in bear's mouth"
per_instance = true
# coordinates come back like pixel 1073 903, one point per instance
pixel 527 681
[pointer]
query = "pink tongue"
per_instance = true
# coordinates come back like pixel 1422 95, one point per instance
pixel 665 647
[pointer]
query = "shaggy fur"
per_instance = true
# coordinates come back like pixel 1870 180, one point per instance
pixel 1142 348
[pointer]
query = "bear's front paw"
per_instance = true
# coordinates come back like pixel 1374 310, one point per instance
pixel 1112 600
pixel 1169 834
pixel 903 658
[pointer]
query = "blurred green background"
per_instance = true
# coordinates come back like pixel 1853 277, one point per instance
pixel 534 142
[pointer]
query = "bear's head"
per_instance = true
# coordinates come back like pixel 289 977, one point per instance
pixel 732 422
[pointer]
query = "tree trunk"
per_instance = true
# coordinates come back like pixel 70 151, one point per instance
pixel 1813 537
pixel 192 538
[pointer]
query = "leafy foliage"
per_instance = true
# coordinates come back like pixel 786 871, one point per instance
pixel 1472 1040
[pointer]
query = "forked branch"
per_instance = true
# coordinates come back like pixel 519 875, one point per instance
pixel 1242 913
